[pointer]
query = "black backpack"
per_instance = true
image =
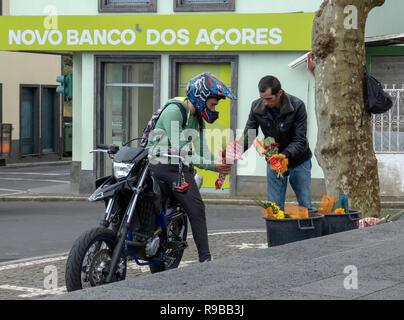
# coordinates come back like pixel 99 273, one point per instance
pixel 375 99
pixel 153 120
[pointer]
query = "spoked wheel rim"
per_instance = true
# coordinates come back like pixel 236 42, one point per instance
pixel 96 262
pixel 176 232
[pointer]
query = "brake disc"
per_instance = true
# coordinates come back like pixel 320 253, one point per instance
pixel 99 267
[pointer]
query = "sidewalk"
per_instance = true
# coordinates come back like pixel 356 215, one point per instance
pixel 35 164
pixel 358 264
pixel 68 192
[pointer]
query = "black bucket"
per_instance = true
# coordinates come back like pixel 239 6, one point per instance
pixel 334 223
pixel 281 231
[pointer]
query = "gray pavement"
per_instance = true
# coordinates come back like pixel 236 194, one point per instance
pixel 26 278
pixel 358 264
pixel 363 264
pixel 35 229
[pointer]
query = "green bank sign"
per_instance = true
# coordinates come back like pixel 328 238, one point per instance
pixel 207 32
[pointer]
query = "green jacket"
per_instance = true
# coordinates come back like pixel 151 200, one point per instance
pixel 201 158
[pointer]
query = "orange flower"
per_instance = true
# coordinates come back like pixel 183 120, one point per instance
pixel 268 213
pixel 339 211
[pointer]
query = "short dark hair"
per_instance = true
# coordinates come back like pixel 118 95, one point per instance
pixel 269 82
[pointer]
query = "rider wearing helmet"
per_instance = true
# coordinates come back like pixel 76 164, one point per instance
pixel 203 94
pixel 203 87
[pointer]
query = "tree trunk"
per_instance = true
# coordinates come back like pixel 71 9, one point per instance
pixel 344 149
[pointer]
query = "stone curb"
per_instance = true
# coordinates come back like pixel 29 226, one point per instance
pixel 207 201
pixel 43 198
pixel 384 204
pixel 35 164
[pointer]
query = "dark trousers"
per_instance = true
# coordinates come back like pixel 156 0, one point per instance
pixel 191 202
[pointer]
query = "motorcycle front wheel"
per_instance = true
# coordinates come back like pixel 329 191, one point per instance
pixel 89 260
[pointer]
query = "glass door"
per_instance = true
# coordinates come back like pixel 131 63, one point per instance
pixel 27 130
pixel 128 105
pixel 220 129
pixel 48 120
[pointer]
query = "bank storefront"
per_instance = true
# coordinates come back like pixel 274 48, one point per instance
pixel 126 66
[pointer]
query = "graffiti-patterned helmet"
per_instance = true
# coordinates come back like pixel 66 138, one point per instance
pixel 202 87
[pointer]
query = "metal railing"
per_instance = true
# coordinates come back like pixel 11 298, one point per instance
pixel 388 127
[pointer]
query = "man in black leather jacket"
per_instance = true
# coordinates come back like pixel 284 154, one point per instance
pixel 283 117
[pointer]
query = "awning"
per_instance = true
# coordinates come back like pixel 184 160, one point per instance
pixel 386 40
pixel 377 41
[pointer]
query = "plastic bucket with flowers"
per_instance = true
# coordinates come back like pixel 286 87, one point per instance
pixel 284 228
pixel 339 222
pixel 337 215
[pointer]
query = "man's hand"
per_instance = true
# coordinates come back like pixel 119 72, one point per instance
pixel 223 168
pixel 284 162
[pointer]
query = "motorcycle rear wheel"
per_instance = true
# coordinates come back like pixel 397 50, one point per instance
pixel 177 233
pixel 89 259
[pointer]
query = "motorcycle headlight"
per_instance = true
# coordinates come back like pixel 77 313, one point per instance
pixel 121 170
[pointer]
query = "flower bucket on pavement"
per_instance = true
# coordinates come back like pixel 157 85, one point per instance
pixel 340 222
pixel 337 215
pixel 293 224
pixel 282 231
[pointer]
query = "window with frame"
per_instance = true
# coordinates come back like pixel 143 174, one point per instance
pixel 129 94
pixel 49 119
pixel 127 5
pixel 39 114
pixel 1 7
pixel 128 90
pixel 204 5
pixel 29 119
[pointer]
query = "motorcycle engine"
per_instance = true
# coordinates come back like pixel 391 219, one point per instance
pixel 146 213
pixel 152 246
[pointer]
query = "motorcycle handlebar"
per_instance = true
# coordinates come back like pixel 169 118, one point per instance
pixel 111 148
pixel 103 146
pixel 172 153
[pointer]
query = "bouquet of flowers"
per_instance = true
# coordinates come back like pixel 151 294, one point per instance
pixel 279 163
pixel 269 149
pixel 271 210
pixel 230 154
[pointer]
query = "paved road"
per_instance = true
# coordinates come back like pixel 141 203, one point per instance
pixel 32 229
pixel 18 180
pixel 28 279
pixel 44 232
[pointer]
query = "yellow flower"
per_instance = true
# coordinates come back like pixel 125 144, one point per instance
pixel 280 215
pixel 271 210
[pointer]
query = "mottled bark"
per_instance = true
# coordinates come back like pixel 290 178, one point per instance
pixel 344 149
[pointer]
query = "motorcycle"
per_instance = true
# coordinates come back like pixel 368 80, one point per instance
pixel 142 221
